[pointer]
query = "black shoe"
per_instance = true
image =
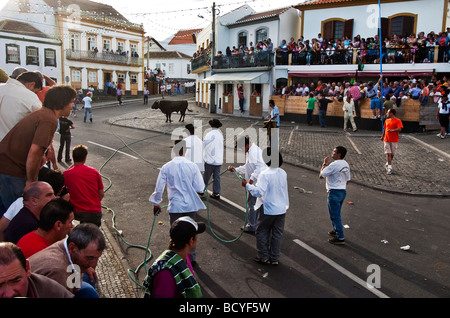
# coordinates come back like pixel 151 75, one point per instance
pixel 336 241
pixel 332 233
pixel 69 161
pixel 246 230
pixel 261 261
pixel 215 196
pixel 90 119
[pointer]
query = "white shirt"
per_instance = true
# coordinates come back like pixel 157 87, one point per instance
pixel 253 165
pixel 441 108
pixel 184 181
pixel 87 102
pixel 213 147
pixel 337 174
pixel 16 101
pixel 271 190
pixel 194 151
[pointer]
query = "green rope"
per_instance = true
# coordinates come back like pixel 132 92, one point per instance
pixel 147 248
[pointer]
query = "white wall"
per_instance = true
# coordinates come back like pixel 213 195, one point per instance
pixel 366 16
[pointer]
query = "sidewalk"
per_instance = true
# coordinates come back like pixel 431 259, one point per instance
pixel 420 167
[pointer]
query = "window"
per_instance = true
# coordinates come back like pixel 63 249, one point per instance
pixel 337 28
pixel 92 42
pixel 92 76
pixel 171 68
pixel 133 48
pixel 12 53
pixel 121 78
pixel 121 46
pixel 32 55
pixel 75 41
pixel 402 25
pixel 50 57
pixel 133 78
pixel 261 35
pixel 107 44
pixel 242 38
pixel 76 76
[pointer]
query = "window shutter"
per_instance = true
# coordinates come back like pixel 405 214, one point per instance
pixel 348 28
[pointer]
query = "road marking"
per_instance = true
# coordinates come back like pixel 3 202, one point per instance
pixel 324 258
pixel 290 135
pixel 425 145
pixel 354 145
pixel 341 269
pixel 106 147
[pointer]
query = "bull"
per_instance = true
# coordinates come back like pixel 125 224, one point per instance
pixel 167 107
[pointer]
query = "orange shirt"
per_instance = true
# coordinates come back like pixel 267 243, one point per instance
pixel 391 123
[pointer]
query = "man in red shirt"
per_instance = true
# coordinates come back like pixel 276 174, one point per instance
pixel 55 223
pixel 85 187
pixel 391 128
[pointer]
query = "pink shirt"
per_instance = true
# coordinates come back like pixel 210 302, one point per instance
pixel 164 283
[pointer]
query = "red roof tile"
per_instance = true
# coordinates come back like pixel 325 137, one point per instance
pixel 184 37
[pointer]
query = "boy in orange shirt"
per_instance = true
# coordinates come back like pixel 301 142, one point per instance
pixel 391 128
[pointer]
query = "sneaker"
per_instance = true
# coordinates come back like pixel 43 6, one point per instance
pixel 336 241
pixel 439 135
pixel 389 171
pixel 443 136
pixel 261 261
pixel 215 196
pixel 386 166
pixel 90 119
pixel 247 230
pixel 374 117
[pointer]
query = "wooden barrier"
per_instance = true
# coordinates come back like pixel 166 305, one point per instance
pixel 409 109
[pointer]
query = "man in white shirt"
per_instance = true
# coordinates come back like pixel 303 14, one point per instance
pixel 194 148
pixel 87 101
pixel 183 180
pixel 213 156
pixel 18 98
pixel 271 189
pixel 337 175
pixel 253 166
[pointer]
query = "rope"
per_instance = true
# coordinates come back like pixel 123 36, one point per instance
pixel 147 248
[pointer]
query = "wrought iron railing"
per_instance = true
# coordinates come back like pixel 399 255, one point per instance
pixel 103 57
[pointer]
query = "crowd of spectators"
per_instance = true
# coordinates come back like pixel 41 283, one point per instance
pixel 410 48
pixel 407 88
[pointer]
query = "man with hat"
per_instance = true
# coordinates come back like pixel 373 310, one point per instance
pixel 213 156
pixel 171 275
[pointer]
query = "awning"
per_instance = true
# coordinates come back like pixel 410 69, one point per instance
pixel 323 73
pixel 396 73
pixel 239 77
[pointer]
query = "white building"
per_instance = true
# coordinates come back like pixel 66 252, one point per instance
pixel 95 43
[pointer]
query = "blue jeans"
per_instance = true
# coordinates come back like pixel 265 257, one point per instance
pixel 322 118
pixel 87 289
pixel 241 104
pixel 11 188
pixel 215 171
pixel 335 200
pixel 87 110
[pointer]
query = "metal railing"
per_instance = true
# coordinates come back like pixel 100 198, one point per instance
pixel 235 61
pixel 103 57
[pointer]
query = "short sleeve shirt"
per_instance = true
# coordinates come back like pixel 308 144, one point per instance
pixel 392 123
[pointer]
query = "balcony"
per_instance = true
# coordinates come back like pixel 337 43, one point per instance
pixel 265 59
pixel 104 58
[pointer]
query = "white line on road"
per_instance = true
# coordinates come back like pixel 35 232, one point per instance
pixel 341 269
pixel 425 145
pixel 324 258
pixel 354 145
pixel 290 135
pixel 94 143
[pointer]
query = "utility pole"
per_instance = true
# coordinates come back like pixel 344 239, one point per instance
pixel 213 28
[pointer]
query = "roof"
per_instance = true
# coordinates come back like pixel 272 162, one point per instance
pixel 86 5
pixel 20 28
pixel 261 15
pixel 168 55
pixel 184 37
pixel 318 3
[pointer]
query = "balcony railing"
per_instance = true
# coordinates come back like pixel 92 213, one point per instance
pixel 434 54
pixel 99 57
pixel 235 61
